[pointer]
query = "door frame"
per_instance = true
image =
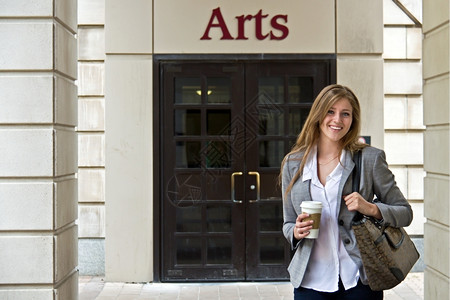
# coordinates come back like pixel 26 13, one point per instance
pixel 158 61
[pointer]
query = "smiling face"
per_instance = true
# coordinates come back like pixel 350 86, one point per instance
pixel 337 121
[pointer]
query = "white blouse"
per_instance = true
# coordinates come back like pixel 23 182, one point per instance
pixel 329 260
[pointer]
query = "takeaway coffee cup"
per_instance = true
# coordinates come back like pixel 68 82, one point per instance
pixel 314 209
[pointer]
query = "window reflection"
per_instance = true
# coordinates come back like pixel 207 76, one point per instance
pixel 187 154
pixel 187 122
pixel 300 90
pixel 219 90
pixel 270 90
pixel 186 90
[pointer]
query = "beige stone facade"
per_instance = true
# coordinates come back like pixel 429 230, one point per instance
pixel 436 147
pixel 38 186
pixel 378 51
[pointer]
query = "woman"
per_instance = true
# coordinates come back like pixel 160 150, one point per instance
pixel 318 168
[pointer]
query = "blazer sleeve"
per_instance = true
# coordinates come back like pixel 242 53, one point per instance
pixel 289 213
pixel 393 206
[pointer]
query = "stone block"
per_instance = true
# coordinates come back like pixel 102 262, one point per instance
pixel 436 286
pixel 404 148
pixel 92 221
pixel 26 8
pixel 436 52
pixel 66 253
pixel 91 114
pixel 403 78
pixel 435 13
pixel 26 206
pixel 26 152
pixel 65 152
pixel 413 43
pixel 356 73
pixel 91 150
pixel 416 226
pixel 28 46
pixel 91 79
pixel 436 254
pixel 394 43
pixel 26 260
pixel 65 109
pixel 91 12
pixel 128 192
pixel 121 22
pixel 66 207
pixel 20 294
pixel 436 195
pixel 68 289
pixel 359 25
pixel 26 99
pixel 66 12
pixel 393 15
pixel 65 51
pixel 91 257
pixel 401 178
pixel 91 43
pixel 436 150
pixel 415 183
pixel 436 101
pixel 415 113
pixel 395 112
pixel 91 185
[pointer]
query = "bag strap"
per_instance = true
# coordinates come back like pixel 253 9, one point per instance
pixel 356 176
pixel 356 179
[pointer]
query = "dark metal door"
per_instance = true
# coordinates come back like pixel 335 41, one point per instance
pixel 225 129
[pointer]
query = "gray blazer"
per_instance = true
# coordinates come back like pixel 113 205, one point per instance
pixel 376 180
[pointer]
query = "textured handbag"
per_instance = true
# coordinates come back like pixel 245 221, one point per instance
pixel 387 253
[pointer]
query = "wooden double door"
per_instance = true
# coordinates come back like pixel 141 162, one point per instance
pixel 225 129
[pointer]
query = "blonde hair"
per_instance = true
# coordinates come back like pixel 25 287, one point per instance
pixel 310 132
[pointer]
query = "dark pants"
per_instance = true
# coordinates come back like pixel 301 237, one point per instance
pixel 359 292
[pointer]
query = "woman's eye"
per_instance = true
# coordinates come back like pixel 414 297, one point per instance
pixel 346 114
pixel 330 112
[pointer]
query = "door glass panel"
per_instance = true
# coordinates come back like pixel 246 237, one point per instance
pixel 184 190
pixel 218 154
pixel 271 250
pixel 271 124
pixel 218 90
pixel 219 251
pixel 218 122
pixel 218 218
pixel 297 117
pixel 271 153
pixel 187 122
pixel 189 250
pixel 271 217
pixel 187 154
pixel 300 90
pixel 189 219
pixel 217 185
pixel 270 90
pixel 188 90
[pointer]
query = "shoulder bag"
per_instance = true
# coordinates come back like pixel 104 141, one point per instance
pixel 387 253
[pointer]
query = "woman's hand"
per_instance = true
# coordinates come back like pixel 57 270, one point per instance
pixel 302 228
pixel 355 202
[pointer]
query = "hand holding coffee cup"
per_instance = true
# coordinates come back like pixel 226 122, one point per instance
pixel 314 210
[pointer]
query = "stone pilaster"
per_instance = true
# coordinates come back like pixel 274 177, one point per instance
pixel 38 150
pixel 436 45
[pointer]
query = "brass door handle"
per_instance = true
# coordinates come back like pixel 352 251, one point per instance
pixel 233 193
pixel 258 195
